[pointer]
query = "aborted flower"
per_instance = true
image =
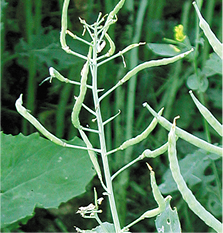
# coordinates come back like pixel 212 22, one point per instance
pixel 179 33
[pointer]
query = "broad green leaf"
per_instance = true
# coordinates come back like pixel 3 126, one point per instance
pixel 213 203
pixel 168 220
pixel 213 65
pixel 186 117
pixel 46 49
pixel 192 168
pixel 215 95
pixel 38 173
pixel 195 83
pixel 3 5
pixel 164 49
pixel 2 12
pixel 104 228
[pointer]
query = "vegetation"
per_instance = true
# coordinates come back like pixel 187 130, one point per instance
pixel 37 173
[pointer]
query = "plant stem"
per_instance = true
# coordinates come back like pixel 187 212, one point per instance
pixel 2 36
pixel 102 137
pixel 208 17
pixel 60 115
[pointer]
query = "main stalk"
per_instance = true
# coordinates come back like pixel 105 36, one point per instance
pixel 102 137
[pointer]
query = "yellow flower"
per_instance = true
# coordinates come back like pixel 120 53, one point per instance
pixel 179 33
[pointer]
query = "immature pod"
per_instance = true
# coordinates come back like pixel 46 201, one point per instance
pixel 153 63
pixel 116 9
pixel 142 66
pixel 186 193
pixel 92 156
pixel 207 115
pixel 141 136
pixel 155 189
pixel 185 135
pixel 64 24
pixel 83 88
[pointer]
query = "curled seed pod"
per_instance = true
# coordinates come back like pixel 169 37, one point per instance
pixel 83 88
pixel 112 46
pixel 36 123
pixel 153 154
pixel 55 74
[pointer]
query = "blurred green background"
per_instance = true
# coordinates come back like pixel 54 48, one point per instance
pixel 30 45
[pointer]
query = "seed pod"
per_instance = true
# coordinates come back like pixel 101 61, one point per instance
pixel 141 136
pixel 55 74
pixel 207 115
pixel 92 156
pixel 112 46
pixel 83 88
pixel 153 63
pixel 214 42
pixel 36 123
pixel 186 193
pixel 185 135
pixel 155 189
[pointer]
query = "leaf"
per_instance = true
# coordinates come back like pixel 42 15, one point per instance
pixel 213 65
pixel 3 5
pixel 167 50
pixel 47 49
pixel 38 173
pixel 103 228
pixel 192 168
pixel 186 117
pixel 168 220
pixel 198 83
pixel 214 203
pixel 215 95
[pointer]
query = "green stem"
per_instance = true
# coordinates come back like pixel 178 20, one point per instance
pixel 123 180
pixel 170 95
pixel 205 123
pixel 217 181
pixel 31 90
pixel 208 17
pixel 2 37
pixel 61 110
